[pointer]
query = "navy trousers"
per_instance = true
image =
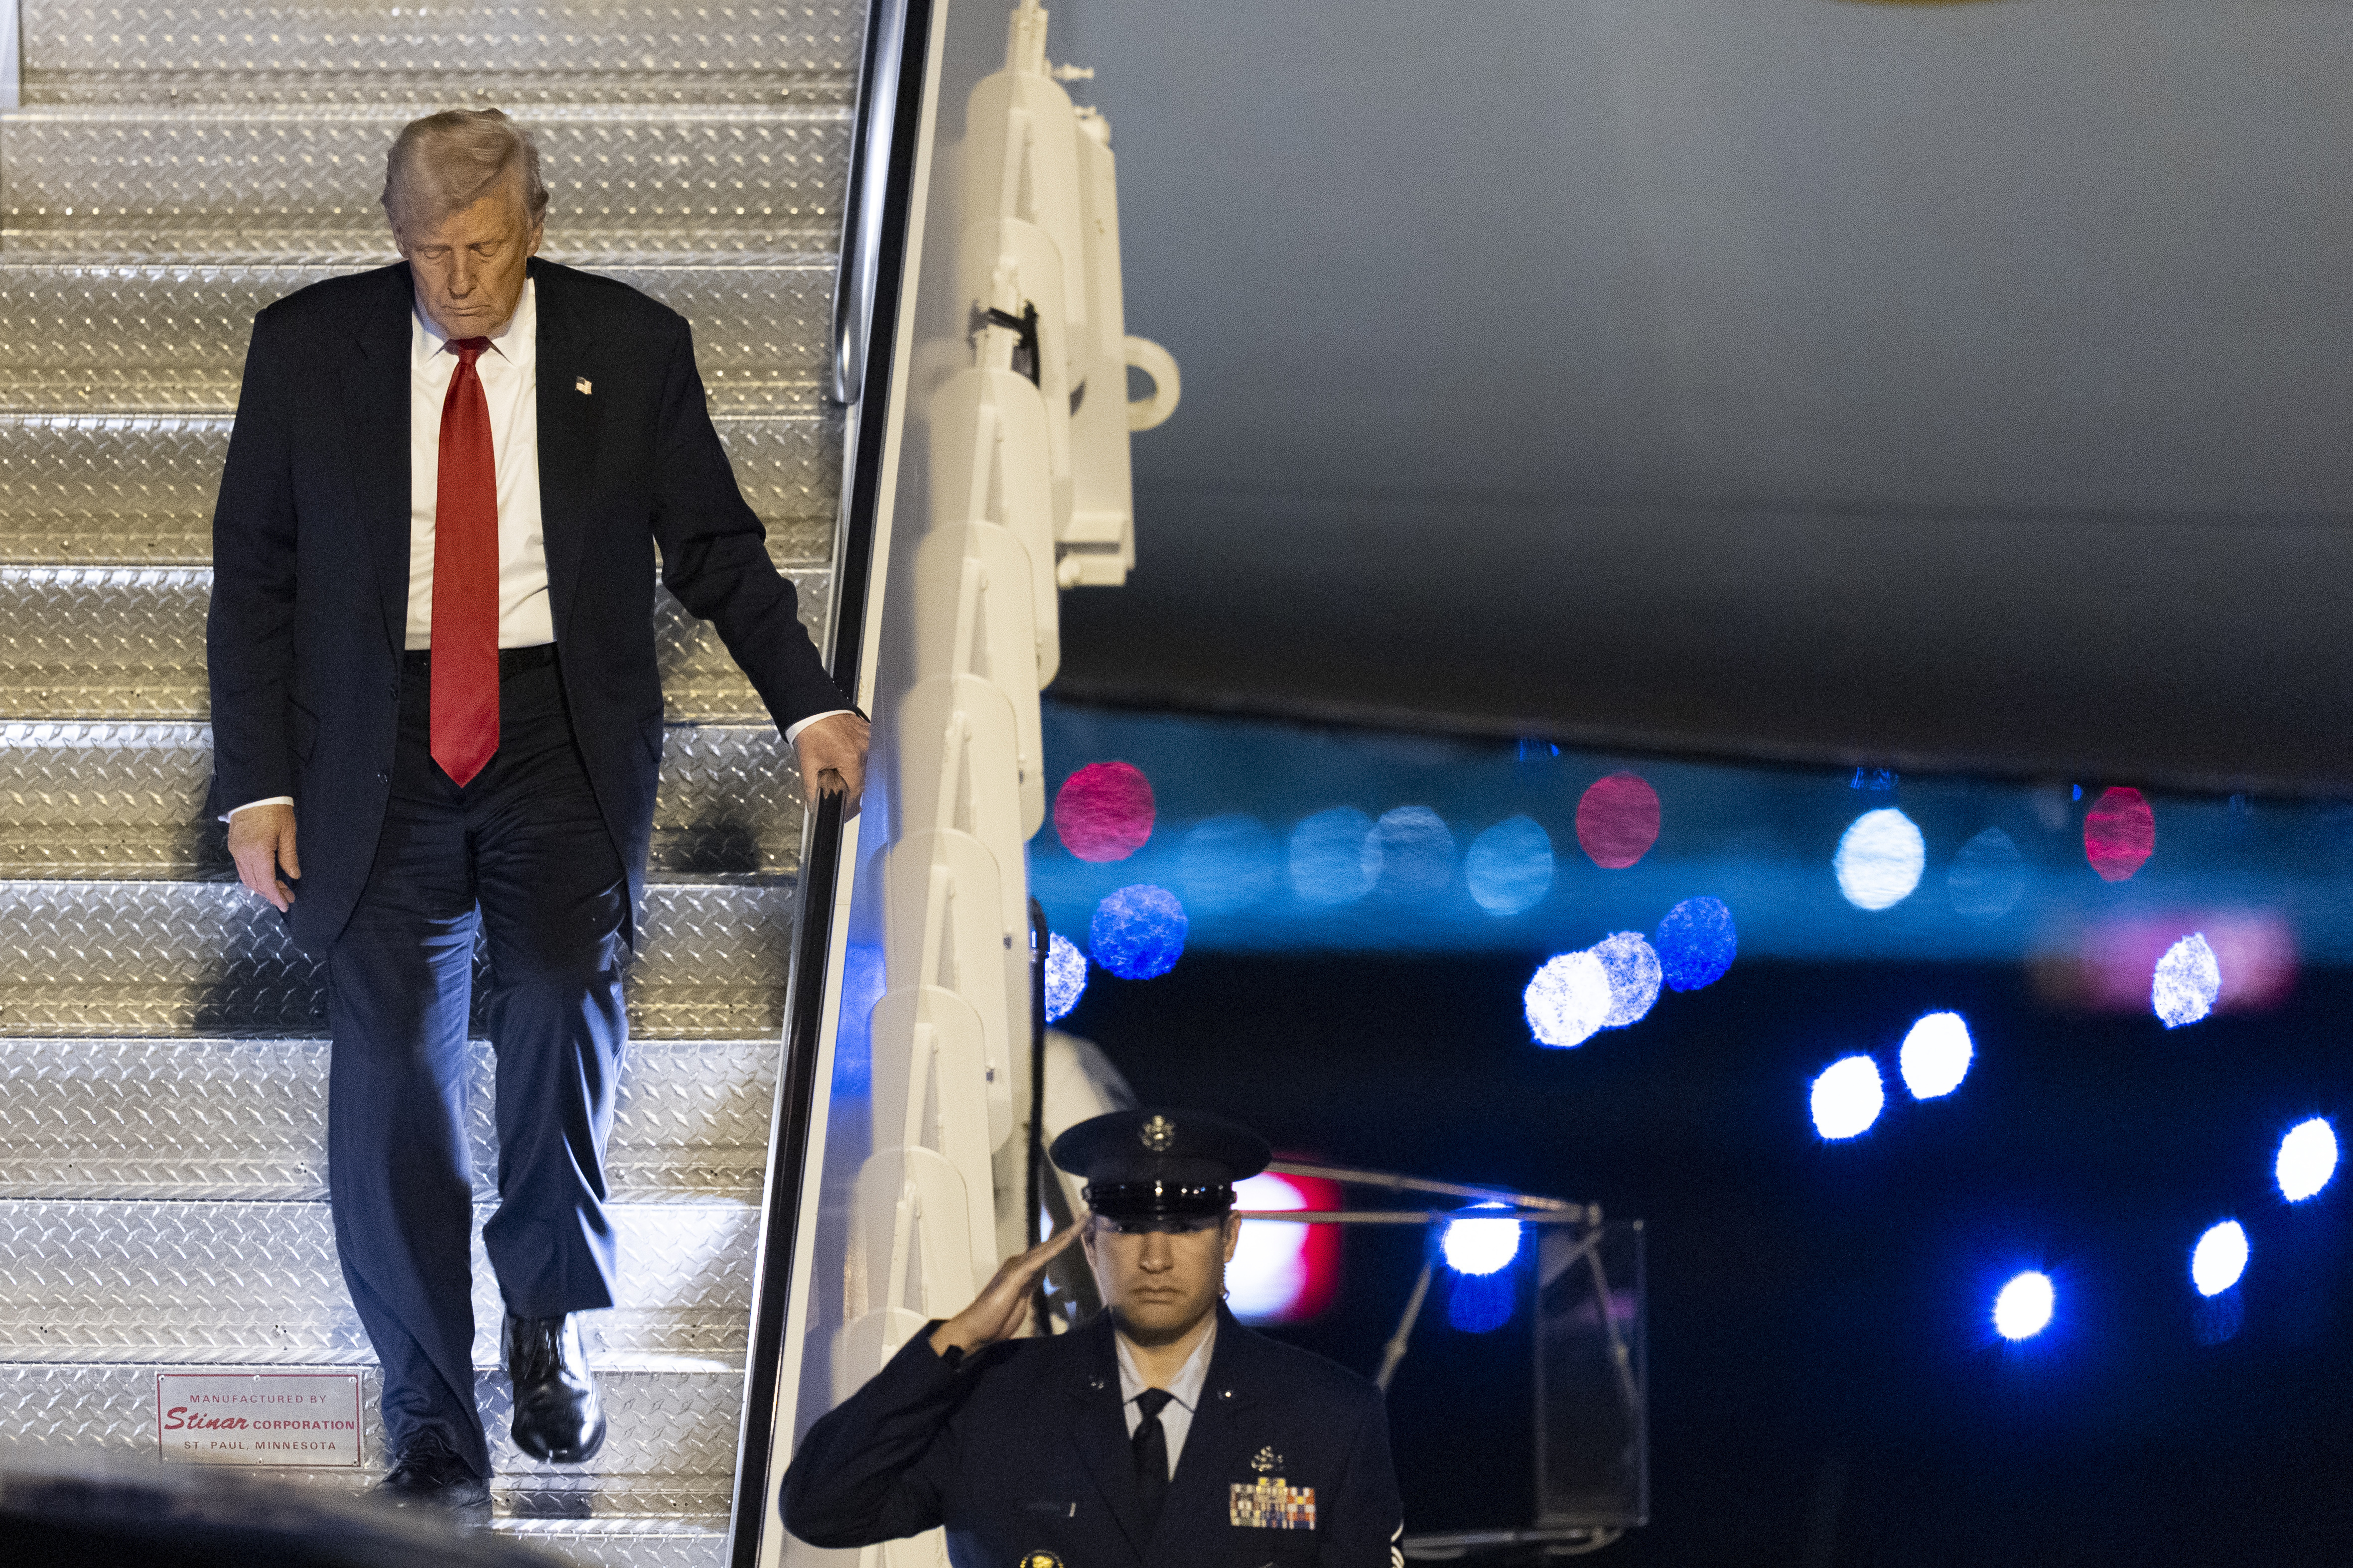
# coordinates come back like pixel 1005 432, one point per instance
pixel 521 855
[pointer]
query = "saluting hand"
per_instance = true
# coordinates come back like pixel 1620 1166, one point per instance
pixel 1001 1307
pixel 260 840
pixel 832 755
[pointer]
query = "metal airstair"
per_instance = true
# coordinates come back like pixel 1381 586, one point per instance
pixel 173 167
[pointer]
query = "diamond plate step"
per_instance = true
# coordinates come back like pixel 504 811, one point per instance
pixel 245 1282
pixel 607 1543
pixel 301 183
pixel 170 958
pixel 128 642
pixel 670 1451
pixel 621 51
pixel 126 800
pixel 171 340
pixel 187 1119
pixel 138 488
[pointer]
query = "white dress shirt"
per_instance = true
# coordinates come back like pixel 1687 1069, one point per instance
pixel 509 370
pixel 1184 1389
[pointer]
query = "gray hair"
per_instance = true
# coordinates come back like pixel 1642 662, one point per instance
pixel 445 162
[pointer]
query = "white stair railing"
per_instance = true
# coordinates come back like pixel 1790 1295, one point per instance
pixel 1025 480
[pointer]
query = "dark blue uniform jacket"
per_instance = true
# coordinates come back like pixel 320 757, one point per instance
pixel 1023 1449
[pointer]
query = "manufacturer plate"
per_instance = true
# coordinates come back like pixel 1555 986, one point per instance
pixel 259 1419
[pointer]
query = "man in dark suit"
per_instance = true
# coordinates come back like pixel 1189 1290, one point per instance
pixel 1162 1434
pixel 431 643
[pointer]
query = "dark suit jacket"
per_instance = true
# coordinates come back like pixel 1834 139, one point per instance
pixel 1023 1448
pixel 310 560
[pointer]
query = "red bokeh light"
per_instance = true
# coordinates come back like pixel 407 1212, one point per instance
pixel 1285 1273
pixel 1103 812
pixel 2119 834
pixel 1618 820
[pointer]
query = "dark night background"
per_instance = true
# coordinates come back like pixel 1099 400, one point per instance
pixel 1825 1383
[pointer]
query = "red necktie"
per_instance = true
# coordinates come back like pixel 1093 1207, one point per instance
pixel 466 577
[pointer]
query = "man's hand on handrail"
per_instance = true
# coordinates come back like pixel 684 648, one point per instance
pixel 832 754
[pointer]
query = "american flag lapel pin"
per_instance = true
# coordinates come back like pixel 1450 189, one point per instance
pixel 582 386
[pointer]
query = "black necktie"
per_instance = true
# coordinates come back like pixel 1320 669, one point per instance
pixel 1150 1446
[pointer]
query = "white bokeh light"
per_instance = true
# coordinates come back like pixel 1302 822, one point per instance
pixel 2308 1159
pixel 1480 1245
pixel 2219 1258
pixel 2023 1309
pixel 1632 967
pixel 1568 999
pixel 2187 980
pixel 1935 1056
pixel 1066 975
pixel 1848 1098
pixel 1269 1270
pixel 1880 858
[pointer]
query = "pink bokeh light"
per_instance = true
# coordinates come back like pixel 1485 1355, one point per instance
pixel 2119 834
pixel 2105 967
pixel 1618 820
pixel 1103 812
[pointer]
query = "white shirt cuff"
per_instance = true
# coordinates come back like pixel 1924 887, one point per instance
pixel 248 805
pixel 793 731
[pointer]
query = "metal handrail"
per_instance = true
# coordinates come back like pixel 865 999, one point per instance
pixel 1349 1176
pixel 876 222
pixel 863 218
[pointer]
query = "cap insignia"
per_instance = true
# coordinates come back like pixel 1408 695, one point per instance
pixel 1158 1134
pixel 1266 1460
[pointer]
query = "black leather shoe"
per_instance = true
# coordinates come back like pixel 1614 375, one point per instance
pixel 557 1416
pixel 431 1474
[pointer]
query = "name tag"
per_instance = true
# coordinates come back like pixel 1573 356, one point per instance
pixel 1270 1503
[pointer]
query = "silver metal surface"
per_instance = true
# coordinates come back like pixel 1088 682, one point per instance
pixel 128 642
pixel 78 338
pixel 150 958
pixel 606 1542
pixel 278 184
pixel 583 51
pixel 250 1282
pixel 126 800
pixel 179 166
pixel 187 1119
pixel 672 1439
pixel 138 488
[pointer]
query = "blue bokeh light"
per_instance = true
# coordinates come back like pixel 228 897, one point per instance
pixel 1479 1245
pixel 1138 931
pixel 1988 877
pixel 1510 866
pixel 1328 856
pixel 1697 942
pixel 2219 1258
pixel 1228 861
pixel 1848 1098
pixel 2308 1159
pixel 1935 1056
pixel 1066 975
pixel 1410 853
pixel 1481 1303
pixel 2025 1307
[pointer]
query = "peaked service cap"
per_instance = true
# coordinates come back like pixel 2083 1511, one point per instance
pixel 1154 1162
